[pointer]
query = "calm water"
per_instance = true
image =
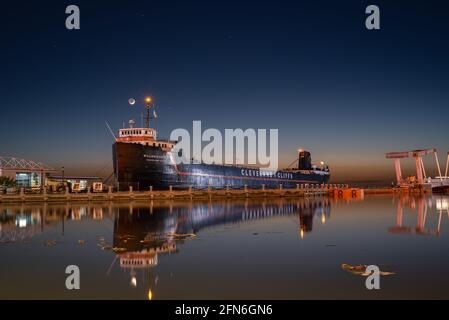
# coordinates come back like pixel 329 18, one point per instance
pixel 277 249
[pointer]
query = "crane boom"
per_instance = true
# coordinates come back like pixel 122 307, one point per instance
pixel 409 154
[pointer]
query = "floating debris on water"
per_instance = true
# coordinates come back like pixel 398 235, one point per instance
pixel 360 270
pixel 50 243
pixel 103 244
pixel 127 236
pixel 182 236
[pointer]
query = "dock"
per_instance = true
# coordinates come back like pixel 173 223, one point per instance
pixel 23 196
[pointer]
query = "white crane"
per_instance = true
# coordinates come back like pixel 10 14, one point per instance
pixel 421 175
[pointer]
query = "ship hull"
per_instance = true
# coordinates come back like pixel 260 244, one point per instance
pixel 143 166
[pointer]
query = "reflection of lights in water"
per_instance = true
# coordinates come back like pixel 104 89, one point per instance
pixel 97 213
pixel 323 219
pixel 442 204
pixel 150 295
pixel 22 223
pixel 134 281
pixel 301 233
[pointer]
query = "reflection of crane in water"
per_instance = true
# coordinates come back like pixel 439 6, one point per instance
pixel 142 233
pixel 423 205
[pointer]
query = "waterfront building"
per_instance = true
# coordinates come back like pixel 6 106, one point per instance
pixel 26 173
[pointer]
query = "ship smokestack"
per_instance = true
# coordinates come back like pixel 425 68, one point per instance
pixel 304 160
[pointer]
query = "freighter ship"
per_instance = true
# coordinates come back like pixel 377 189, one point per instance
pixel 142 161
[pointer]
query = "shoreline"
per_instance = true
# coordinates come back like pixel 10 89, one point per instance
pixel 332 191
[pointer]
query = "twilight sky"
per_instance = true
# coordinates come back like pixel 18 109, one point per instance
pixel 309 68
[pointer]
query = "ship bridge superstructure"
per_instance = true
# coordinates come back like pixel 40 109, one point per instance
pixel 145 135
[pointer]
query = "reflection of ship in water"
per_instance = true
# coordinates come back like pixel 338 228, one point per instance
pixel 144 231
pixel 141 233
pixel 153 226
pixel 424 206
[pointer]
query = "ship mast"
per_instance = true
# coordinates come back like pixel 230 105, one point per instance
pixel 148 101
